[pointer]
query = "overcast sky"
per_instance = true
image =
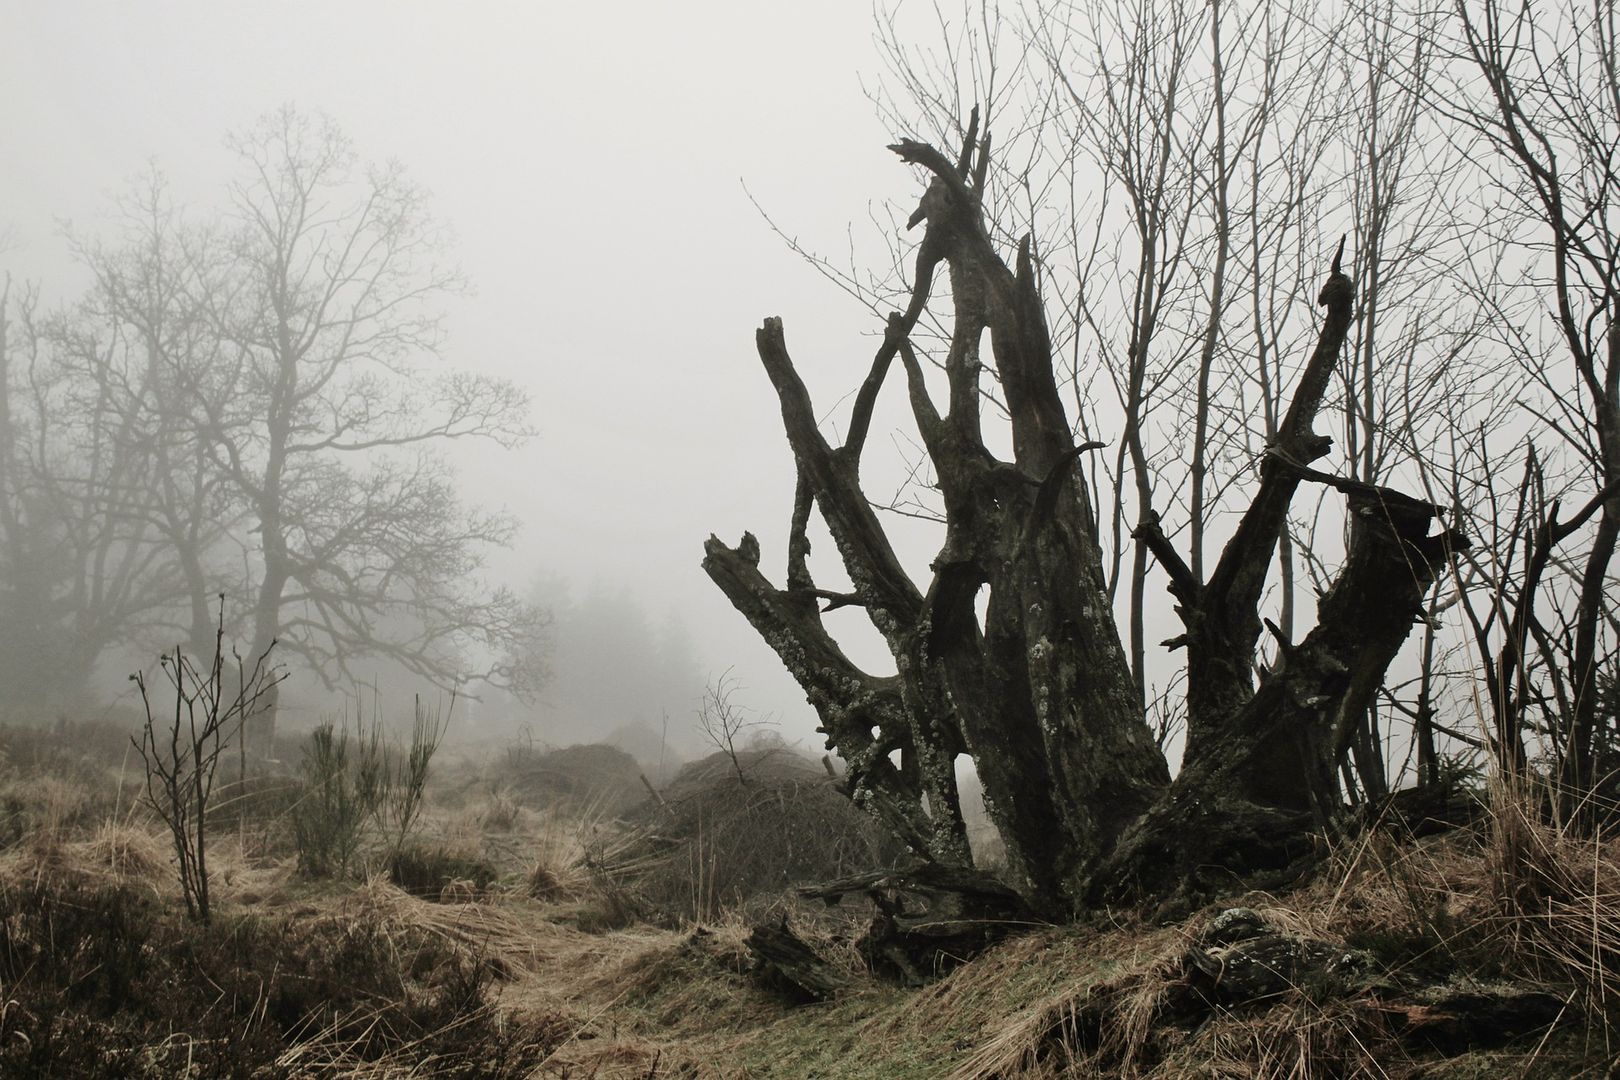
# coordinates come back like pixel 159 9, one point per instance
pixel 591 160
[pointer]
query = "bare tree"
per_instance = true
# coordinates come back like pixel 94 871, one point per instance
pixel 83 564
pixel 325 416
pixel 23 584
pixel 249 408
pixel 152 286
pixel 1208 149
pixel 1039 692
pixel 723 721
pixel 1534 98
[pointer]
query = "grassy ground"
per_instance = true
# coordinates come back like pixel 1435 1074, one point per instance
pixel 528 959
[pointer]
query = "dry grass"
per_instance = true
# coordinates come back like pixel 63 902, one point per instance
pixel 1063 1025
pixel 52 803
pixel 500 812
pixel 1521 900
pixel 561 859
pixel 717 842
pixel 1524 902
pixel 1557 900
pixel 68 831
pixel 128 851
pixel 486 929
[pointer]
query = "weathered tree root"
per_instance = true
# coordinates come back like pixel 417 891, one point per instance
pixel 930 918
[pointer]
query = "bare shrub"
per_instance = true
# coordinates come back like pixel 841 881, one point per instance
pixel 181 753
pixel 724 722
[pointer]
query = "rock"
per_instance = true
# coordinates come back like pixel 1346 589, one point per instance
pixel 1232 925
pixel 1240 958
pixel 1261 967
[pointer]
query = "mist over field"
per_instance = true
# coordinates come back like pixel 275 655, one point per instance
pixel 585 188
pixel 1069 539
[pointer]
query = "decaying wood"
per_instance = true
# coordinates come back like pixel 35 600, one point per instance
pixel 1261 782
pixel 784 962
pixel 1240 961
pixel 1457 1017
pixel 1037 689
pixel 930 917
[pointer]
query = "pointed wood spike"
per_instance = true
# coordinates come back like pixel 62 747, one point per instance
pixel 964 162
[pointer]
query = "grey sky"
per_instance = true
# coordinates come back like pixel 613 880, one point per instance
pixel 589 158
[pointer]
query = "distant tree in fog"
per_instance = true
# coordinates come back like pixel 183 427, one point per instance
pixel 330 307
pixel 87 499
pixel 264 391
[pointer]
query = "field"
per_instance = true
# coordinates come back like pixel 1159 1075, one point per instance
pixel 548 917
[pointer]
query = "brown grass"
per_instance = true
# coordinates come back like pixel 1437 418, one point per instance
pixel 1557 901
pixel 128 851
pixel 718 843
pixel 485 928
pixel 1523 899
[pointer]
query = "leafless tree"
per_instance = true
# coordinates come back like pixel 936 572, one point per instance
pixel 248 407
pixel 1532 96
pixel 1039 691
pixel 329 307
pixel 1167 176
pixel 83 564
pixel 152 285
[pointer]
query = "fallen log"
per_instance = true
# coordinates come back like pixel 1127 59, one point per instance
pixel 786 964
pixel 929 918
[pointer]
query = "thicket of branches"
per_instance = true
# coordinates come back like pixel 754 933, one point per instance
pixel 1120 386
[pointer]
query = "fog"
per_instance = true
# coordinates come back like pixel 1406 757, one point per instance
pixel 592 162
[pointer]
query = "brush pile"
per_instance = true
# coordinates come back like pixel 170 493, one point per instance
pixel 585 780
pixel 737 833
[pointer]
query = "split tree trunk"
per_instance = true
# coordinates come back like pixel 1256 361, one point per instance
pixel 1040 693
